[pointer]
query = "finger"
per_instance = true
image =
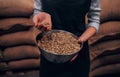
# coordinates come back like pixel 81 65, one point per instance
pixel 48 26
pixel 45 26
pixel 80 40
pixel 41 27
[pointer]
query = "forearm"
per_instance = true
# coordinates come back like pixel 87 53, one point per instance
pixel 93 21
pixel 87 34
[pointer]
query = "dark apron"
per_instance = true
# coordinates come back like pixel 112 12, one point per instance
pixel 67 15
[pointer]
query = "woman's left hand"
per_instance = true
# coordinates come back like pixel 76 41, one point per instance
pixel 81 40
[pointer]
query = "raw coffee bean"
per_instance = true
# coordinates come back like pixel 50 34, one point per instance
pixel 62 43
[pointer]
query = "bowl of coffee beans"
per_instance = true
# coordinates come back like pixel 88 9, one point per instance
pixel 58 46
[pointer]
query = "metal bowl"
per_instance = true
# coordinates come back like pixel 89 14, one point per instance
pixel 56 58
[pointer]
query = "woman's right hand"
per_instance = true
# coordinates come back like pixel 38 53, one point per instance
pixel 43 21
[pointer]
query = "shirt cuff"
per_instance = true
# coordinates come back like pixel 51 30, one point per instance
pixel 36 12
pixel 94 24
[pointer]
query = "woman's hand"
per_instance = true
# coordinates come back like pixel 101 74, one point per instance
pixel 43 21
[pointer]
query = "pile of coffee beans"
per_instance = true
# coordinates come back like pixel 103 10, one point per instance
pixel 61 43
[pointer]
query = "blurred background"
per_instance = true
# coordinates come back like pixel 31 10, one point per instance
pixel 20 56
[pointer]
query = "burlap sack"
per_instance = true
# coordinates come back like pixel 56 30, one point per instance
pixel 15 8
pixel 21 52
pixel 1 55
pixel 107 29
pixel 25 73
pixel 3 66
pixel 24 64
pixel 10 25
pixel 106 63
pixel 108 69
pixel 18 38
pixel 110 10
pixel 99 48
pixel 110 36
pixel 106 58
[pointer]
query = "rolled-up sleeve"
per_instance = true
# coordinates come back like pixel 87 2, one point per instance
pixel 37 7
pixel 94 14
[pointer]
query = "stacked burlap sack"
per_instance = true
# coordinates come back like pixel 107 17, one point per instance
pixel 18 51
pixel 105 45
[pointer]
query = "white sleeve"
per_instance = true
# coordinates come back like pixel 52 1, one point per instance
pixel 37 7
pixel 94 14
